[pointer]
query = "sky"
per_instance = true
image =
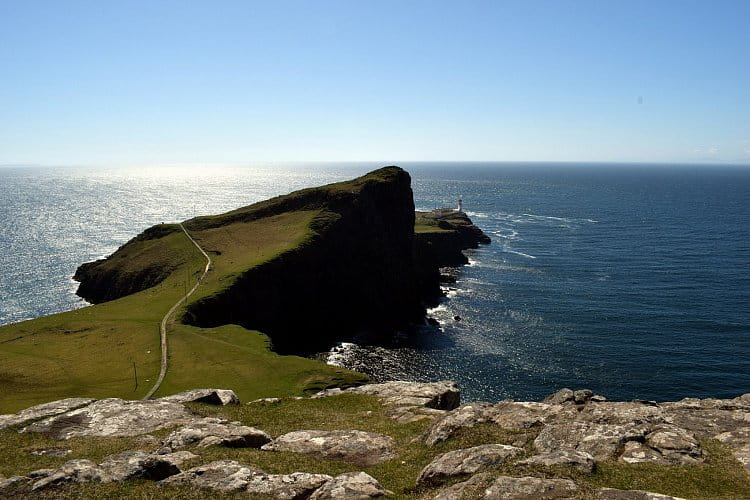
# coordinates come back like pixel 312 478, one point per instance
pixel 187 82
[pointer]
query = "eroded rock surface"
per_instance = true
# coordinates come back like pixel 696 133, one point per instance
pixel 483 486
pixel 467 461
pixel 229 475
pixel 465 416
pixel 210 396
pixel 356 447
pixel 215 432
pixel 113 417
pixel 471 488
pixel 575 459
pixel 530 488
pixel 220 475
pixel 134 464
pixel 631 432
pixel 569 397
pixel 443 395
pixel 45 410
pixel 351 485
pixel 408 401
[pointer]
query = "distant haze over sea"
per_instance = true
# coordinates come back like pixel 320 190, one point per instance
pixel 631 280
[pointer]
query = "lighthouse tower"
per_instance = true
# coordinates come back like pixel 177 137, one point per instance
pixel 460 207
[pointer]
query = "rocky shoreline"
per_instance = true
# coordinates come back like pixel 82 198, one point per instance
pixel 570 432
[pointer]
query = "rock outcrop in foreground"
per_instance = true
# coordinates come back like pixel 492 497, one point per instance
pixel 573 431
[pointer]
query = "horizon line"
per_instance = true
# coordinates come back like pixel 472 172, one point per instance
pixel 266 163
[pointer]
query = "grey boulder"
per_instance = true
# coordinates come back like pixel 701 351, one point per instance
pixel 112 418
pixel 45 410
pixel 351 485
pixel 579 460
pixel 221 397
pixel 528 488
pixel 220 475
pixel 214 432
pixel 356 447
pixel 229 475
pixel 467 461
pixel 135 464
pixel 569 397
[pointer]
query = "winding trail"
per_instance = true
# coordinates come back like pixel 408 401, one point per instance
pixel 165 319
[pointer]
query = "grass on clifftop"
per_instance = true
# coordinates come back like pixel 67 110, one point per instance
pixel 92 351
pixel 721 477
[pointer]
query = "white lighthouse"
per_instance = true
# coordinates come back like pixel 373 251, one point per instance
pixel 460 207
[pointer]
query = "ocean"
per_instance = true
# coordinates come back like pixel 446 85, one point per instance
pixel 630 280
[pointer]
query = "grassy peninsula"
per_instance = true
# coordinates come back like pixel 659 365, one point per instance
pixel 274 266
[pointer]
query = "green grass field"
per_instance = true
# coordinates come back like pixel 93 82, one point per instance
pixel 102 350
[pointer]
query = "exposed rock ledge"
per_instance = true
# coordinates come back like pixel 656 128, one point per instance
pixel 569 429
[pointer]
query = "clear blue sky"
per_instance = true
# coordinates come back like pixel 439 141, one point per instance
pixel 159 82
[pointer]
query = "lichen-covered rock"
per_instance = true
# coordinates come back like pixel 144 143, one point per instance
pixel 464 416
pixel 220 475
pixel 134 464
pixel 265 401
pixel 566 396
pixel 350 486
pixel 512 415
pixel 286 486
pixel 634 452
pixel 137 464
pixel 613 494
pixel 45 410
pixel 51 452
pixel 229 475
pixel 676 445
pixel 356 447
pixel 113 417
pixel 214 432
pixel 466 461
pixel 442 395
pixel 520 415
pixel 575 459
pixel 608 441
pixel 527 488
pixel 73 471
pixel 408 414
pixel 221 397
pixel 15 485
pixel 471 488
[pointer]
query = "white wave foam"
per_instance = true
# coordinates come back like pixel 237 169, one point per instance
pixel 506 233
pixel 436 309
pixel 338 353
pixel 508 250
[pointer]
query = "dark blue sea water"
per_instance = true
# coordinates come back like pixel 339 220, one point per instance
pixel 633 281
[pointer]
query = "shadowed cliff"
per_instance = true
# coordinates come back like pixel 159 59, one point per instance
pixel 355 264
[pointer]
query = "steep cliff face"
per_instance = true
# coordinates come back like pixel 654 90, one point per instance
pixel 356 272
pixel 356 267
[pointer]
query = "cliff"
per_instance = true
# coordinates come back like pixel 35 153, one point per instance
pixel 355 265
